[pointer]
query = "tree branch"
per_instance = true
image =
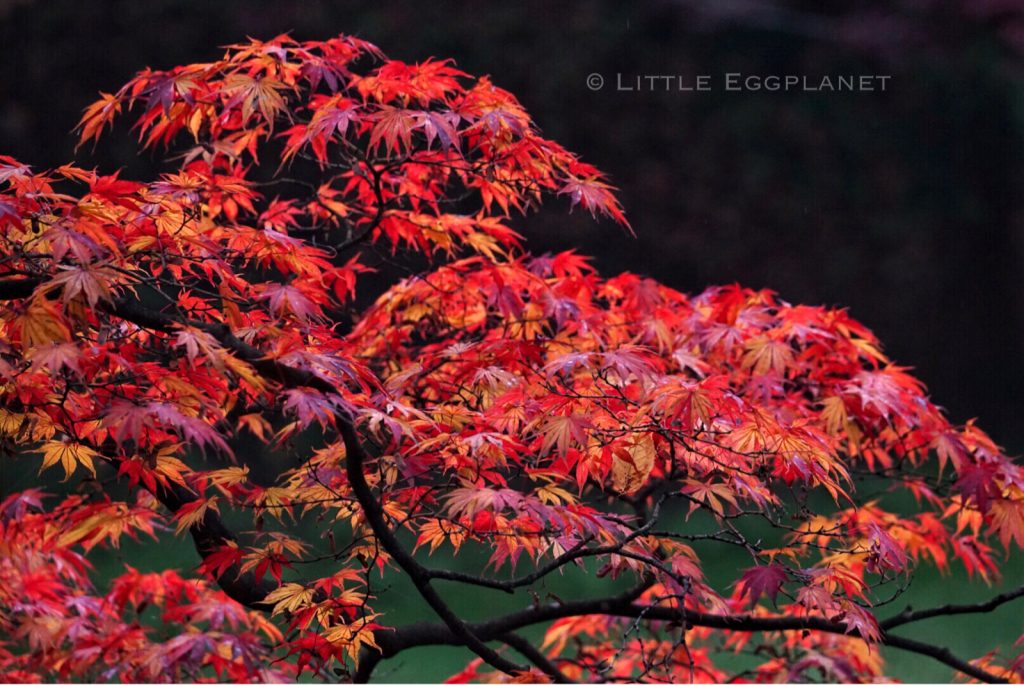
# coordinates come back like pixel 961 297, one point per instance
pixel 354 459
pixel 17 288
pixel 421 634
pixel 209 535
pixel 910 616
pixel 212 533
pixel 374 512
pixel 526 648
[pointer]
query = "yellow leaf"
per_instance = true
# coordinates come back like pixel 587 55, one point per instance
pixel 243 371
pixel 195 122
pixel 107 524
pixel 709 494
pixel 289 597
pixel 552 494
pixel 869 349
pixel 69 455
pixel 256 424
pixel 275 501
pixel 193 512
pixel 834 414
pixel 436 532
pixel 632 465
pixel 354 636
pixel 232 475
pixel 141 243
pixel 42 323
pixel 484 244
pixel 767 354
pixel 10 423
pixel 170 467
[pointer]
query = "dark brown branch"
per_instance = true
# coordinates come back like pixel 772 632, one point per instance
pixel 577 552
pixel 421 634
pixel 391 642
pixel 375 516
pixel 910 616
pixel 355 457
pixel 942 654
pixel 526 648
pixel 17 288
pixel 292 377
pixel 209 535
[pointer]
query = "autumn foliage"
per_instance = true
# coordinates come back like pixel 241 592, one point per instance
pixel 152 332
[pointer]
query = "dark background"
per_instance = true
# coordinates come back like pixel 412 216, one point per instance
pixel 905 206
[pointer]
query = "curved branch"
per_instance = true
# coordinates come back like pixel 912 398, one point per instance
pixel 421 634
pixel 942 654
pixel 355 456
pixel 910 616
pixel 210 533
pixel 526 648
pixel 578 551
pixel 368 660
pixel 374 512
pixel 208 536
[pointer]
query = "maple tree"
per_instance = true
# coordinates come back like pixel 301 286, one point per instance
pixel 522 405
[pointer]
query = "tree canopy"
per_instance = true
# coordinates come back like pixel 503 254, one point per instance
pixel 151 333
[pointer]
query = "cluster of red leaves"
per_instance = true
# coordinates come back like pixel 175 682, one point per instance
pixel 146 627
pixel 522 404
pixel 743 403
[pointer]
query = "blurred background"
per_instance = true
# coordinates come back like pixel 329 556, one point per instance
pixel 905 205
